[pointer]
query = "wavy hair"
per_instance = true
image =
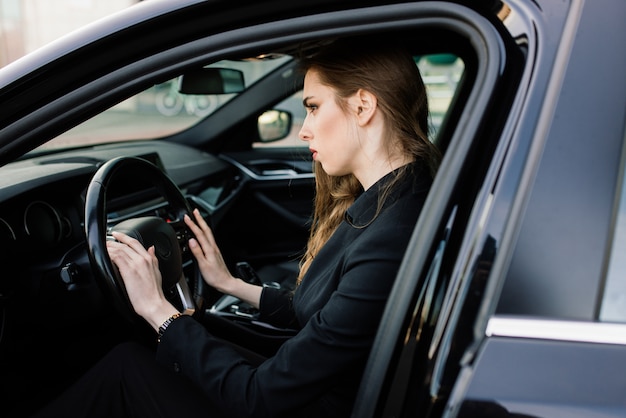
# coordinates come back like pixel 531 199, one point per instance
pixel 389 73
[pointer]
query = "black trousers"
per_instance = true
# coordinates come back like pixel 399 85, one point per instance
pixel 128 382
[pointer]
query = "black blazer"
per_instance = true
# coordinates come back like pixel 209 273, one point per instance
pixel 338 306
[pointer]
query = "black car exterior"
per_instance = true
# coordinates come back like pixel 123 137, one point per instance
pixel 510 300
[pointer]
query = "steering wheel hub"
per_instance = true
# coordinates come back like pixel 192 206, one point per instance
pixel 154 231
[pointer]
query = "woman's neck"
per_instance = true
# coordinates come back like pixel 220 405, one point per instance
pixel 379 169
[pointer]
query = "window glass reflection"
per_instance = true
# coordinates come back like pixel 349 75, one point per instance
pixel 614 300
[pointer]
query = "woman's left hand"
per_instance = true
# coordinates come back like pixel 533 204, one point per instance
pixel 139 269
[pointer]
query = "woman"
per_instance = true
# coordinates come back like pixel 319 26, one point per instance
pixel 366 127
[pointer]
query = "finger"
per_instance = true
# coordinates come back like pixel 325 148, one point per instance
pixel 204 226
pixel 129 261
pixel 200 238
pixel 204 236
pixel 199 224
pixel 196 250
pixel 136 251
pixel 131 250
pixel 129 241
pixel 200 220
pixel 118 252
pixel 153 258
pixel 194 228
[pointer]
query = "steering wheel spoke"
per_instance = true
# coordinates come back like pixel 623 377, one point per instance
pixel 182 297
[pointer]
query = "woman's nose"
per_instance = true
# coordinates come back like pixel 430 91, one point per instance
pixel 305 133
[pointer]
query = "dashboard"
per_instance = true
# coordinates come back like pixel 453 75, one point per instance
pixel 42 200
pixel 257 202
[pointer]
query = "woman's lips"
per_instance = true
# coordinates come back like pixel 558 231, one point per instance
pixel 314 153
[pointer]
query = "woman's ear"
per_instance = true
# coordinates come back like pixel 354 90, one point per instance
pixel 365 104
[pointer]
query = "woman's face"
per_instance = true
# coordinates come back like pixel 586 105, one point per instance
pixel 330 132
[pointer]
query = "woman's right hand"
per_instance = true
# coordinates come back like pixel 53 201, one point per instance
pixel 212 265
pixel 208 255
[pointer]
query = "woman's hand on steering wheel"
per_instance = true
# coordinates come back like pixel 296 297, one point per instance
pixel 139 269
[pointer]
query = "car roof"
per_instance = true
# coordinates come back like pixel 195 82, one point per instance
pixel 144 17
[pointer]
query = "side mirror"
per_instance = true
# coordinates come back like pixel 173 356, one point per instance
pixel 274 125
pixel 212 80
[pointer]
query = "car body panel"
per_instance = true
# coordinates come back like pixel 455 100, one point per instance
pixel 543 378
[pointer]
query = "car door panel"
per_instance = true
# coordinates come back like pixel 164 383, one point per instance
pixel 269 223
pixel 515 377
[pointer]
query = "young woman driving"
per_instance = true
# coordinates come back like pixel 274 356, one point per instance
pixel 366 127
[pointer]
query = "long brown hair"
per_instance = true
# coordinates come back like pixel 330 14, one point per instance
pixel 390 73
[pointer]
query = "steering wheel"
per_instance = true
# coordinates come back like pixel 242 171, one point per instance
pixel 169 238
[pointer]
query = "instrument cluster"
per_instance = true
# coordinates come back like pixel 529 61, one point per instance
pixel 40 222
pixel 38 225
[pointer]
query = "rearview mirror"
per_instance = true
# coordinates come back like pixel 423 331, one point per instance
pixel 211 80
pixel 274 125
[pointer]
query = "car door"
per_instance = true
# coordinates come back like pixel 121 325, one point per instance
pixel 555 342
pixel 503 317
pixel 430 318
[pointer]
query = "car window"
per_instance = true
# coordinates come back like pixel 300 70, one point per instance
pixel 160 110
pixel 614 300
pixel 441 74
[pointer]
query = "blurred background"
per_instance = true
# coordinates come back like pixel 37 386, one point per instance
pixel 26 25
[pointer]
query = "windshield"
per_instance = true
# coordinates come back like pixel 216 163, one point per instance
pixel 159 110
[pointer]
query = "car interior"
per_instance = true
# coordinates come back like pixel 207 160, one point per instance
pixel 224 134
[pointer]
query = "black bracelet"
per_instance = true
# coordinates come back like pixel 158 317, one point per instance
pixel 166 324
